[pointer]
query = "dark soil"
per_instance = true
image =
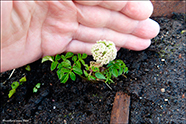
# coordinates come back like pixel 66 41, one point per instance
pixel 160 67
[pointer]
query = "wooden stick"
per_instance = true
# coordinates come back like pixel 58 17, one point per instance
pixel 120 110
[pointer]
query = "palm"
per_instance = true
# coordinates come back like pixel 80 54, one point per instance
pixel 58 28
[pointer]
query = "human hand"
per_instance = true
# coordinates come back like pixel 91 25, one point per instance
pixel 31 30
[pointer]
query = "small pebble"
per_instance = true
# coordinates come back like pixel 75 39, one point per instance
pixel 183 96
pixel 163 60
pixel 180 56
pixel 166 100
pixel 162 90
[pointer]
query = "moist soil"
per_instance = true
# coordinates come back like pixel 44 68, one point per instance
pixel 155 83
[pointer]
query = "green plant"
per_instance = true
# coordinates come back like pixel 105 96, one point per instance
pixel 16 84
pixel 37 86
pixel 104 69
pixel 28 68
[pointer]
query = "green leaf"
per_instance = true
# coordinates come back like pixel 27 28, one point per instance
pixel 58 57
pixel 83 62
pixel 53 65
pixel 79 56
pixel 125 70
pixel 22 80
pixel 63 57
pixel 87 67
pixel 47 58
pixel 77 70
pixel 100 75
pixel 65 70
pixel 115 72
pixel 28 68
pixel 95 69
pixel 35 90
pixel 59 66
pixel 11 92
pixel 65 77
pixel 84 56
pixel 72 76
pixel 60 74
pixel 65 64
pixel 78 64
pixel 69 54
pixel 74 58
pixel 15 84
pixel 117 66
pixel 111 63
pixel 38 85
pixel 86 74
pixel 92 77
pixel 120 71
pixel 68 62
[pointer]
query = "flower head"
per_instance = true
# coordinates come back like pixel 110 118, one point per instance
pixel 104 51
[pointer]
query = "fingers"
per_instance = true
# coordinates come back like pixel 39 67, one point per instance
pixel 138 10
pixel 147 29
pixel 77 46
pixel 99 17
pixel 90 35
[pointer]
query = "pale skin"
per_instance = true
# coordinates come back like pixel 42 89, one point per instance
pixel 31 30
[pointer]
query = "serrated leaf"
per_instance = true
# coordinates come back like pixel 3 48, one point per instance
pixel 77 70
pixel 69 55
pixel 85 73
pixel 15 84
pixel 47 58
pixel 84 56
pixel 28 68
pixel 72 76
pixel 115 72
pixel 65 77
pixel 53 65
pixel 11 92
pixel 23 79
pixel 100 75
pixel 58 57
pixel 78 64
pixel 74 58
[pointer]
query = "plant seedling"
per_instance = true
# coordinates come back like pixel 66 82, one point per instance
pixel 105 68
pixel 37 86
pixel 28 68
pixel 15 85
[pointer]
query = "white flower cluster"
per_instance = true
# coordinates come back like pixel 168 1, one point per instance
pixel 104 51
